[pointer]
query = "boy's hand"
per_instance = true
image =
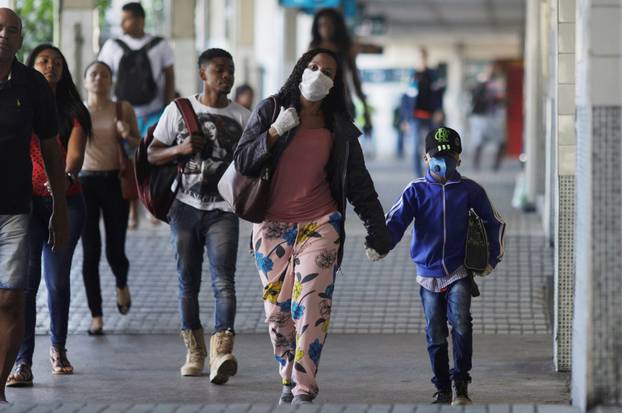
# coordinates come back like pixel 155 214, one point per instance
pixel 487 271
pixel 373 255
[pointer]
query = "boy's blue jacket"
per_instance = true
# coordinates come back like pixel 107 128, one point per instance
pixel 440 213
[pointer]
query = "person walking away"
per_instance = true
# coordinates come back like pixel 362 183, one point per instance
pixel 299 246
pixel 488 119
pixel 114 125
pixel 428 106
pixel 406 111
pixel 199 217
pixel 74 127
pixel 438 205
pixel 245 95
pixel 329 31
pixel 27 107
pixel 143 66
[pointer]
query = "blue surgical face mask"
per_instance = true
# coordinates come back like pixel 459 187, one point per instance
pixel 443 165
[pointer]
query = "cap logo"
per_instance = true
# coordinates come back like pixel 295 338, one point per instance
pixel 442 135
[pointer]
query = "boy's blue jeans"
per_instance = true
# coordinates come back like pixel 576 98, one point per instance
pixel 193 231
pixel 453 305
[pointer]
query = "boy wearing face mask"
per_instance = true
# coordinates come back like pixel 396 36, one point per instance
pixel 439 205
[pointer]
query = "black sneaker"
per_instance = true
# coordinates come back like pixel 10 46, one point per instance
pixel 302 399
pixel 461 394
pixel 286 395
pixel 442 397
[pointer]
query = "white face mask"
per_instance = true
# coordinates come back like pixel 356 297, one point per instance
pixel 315 85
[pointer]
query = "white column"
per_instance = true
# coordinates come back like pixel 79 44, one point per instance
pixel 563 22
pixel 7 3
pixel 275 45
pixel 597 330
pixel 183 43
pixel 532 98
pixel 78 21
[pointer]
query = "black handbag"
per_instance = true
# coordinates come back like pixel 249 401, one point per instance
pixel 248 196
pixel 476 250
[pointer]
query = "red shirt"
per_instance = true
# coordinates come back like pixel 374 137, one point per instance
pixel 39 177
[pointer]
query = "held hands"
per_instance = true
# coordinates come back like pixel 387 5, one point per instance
pixel 123 128
pixel 373 255
pixel 286 121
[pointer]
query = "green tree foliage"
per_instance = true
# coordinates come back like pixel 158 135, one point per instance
pixel 38 23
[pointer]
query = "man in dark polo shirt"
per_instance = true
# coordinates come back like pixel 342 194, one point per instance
pixel 26 106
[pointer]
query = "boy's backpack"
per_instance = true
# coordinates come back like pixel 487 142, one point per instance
pixel 135 81
pixel 158 184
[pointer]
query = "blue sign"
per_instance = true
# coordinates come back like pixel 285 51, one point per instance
pixel 310 4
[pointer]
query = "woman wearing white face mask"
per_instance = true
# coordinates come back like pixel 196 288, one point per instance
pixel 318 165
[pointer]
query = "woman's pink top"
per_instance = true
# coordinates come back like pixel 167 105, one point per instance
pixel 299 189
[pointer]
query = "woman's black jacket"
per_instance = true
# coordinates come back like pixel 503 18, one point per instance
pixel 346 171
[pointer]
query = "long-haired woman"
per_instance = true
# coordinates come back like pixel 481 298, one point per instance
pixel 100 178
pixel 74 129
pixel 313 146
pixel 329 31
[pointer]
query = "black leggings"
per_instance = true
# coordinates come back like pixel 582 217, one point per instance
pixel 102 193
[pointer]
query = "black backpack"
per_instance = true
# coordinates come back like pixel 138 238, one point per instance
pixel 135 82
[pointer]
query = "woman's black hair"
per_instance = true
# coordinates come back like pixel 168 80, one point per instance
pixel 69 104
pixel 332 105
pixel 97 62
pixel 341 36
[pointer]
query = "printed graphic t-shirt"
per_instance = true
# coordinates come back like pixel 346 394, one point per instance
pixel 222 129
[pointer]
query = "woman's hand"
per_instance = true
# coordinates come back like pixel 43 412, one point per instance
pixel 123 128
pixel 287 120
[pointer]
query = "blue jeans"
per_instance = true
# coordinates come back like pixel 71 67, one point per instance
pixel 56 270
pixel 419 129
pixel 453 305
pixel 192 231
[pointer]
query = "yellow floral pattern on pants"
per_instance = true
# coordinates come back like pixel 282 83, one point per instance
pixel 297 263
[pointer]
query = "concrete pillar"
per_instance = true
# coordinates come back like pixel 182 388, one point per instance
pixel 7 3
pixel 78 21
pixel 533 92
pixel 563 71
pixel 275 45
pixel 597 330
pixel 182 39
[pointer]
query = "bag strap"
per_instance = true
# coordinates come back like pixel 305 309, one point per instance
pixel 267 170
pixel 123 45
pixel 189 116
pixel 123 159
pixel 152 43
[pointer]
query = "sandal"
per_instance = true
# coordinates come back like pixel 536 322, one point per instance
pixel 97 327
pixel 60 364
pixel 124 300
pixel 22 377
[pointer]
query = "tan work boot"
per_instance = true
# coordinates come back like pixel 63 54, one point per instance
pixel 195 357
pixel 222 363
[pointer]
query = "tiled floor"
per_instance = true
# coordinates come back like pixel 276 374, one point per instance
pixel 369 297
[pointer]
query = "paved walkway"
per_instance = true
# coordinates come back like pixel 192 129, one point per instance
pixel 378 297
pixel 375 357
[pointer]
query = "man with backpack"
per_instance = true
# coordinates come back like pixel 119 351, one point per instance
pixel 199 217
pixel 143 66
